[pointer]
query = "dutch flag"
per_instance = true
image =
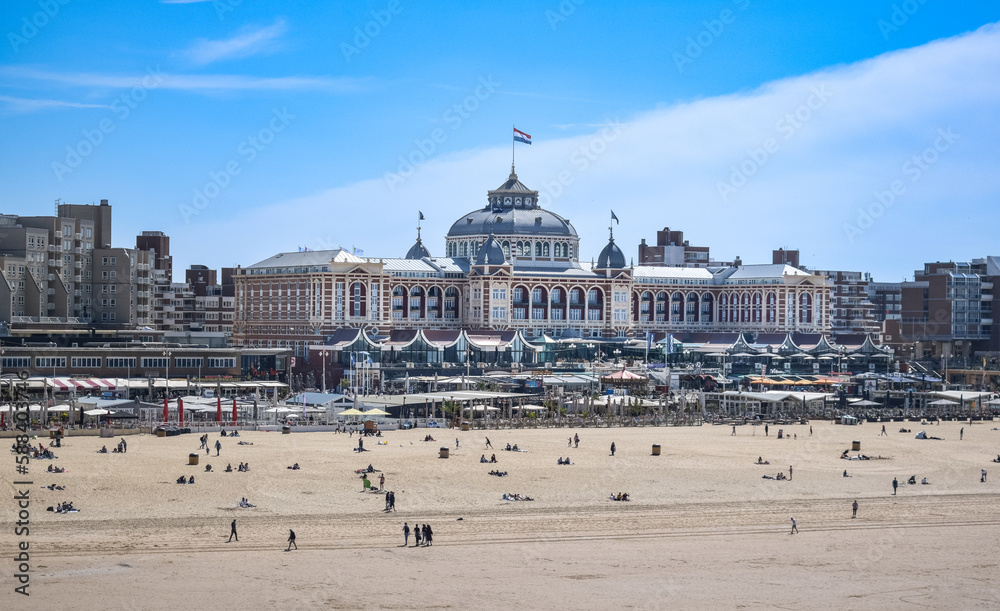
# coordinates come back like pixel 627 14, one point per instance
pixel 520 136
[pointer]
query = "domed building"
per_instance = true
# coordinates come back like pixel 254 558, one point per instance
pixel 512 273
pixel 530 236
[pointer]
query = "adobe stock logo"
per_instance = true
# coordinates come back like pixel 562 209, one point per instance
pixel 913 168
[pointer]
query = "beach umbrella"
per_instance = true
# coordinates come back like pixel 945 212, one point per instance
pixel 351 412
pixel 180 412
pixel 375 412
pixel 218 409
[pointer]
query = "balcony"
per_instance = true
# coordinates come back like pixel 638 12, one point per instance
pixel 53 262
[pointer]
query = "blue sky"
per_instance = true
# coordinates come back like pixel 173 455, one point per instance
pixel 862 133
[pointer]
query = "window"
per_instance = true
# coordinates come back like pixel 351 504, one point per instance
pixel 188 363
pixel 499 313
pixel 120 363
pixel 538 313
pixel 151 362
pixel 16 362
pixel 500 294
pixel 221 363
pixel 88 362
pixel 50 361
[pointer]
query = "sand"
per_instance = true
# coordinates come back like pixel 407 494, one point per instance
pixel 704 529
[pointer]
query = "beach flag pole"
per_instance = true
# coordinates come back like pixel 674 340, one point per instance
pixel 218 409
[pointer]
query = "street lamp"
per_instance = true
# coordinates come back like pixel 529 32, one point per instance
pixel 167 354
pixel 323 354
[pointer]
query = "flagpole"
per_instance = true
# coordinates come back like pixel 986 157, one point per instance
pixel 512 149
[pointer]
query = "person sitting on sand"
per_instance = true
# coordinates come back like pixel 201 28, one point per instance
pixel 103 450
pixel 508 447
pixel 560 461
pixel 781 476
pixel 493 458
pixel 294 467
pixel 191 480
pixel 482 458
pixel 229 468
pixel 912 480
pixel 845 473
pixel 208 468
pixel 625 496
pixel 235 434
pixel 182 480
pixel 923 481
pixel 223 432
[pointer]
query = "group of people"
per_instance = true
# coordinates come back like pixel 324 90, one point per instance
pixel 493 458
pixel 121 449
pixel 294 467
pixel 498 473
pixel 621 496
pixel 390 501
pixel 53 469
pixel 513 448
pixel 563 461
pixel 184 480
pixel 779 477
pixel 420 533
pixel 64 507
pixel 574 441
pixel 516 497
pixel 245 504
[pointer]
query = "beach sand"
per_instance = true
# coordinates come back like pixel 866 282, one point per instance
pixel 703 528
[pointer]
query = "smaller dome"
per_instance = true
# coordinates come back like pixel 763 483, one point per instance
pixel 417 251
pixel 611 257
pixel 491 253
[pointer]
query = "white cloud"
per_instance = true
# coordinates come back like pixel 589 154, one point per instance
pixel 31 105
pixel 250 41
pixel 665 169
pixel 189 82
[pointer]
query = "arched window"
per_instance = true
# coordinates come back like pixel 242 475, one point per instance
pixel 772 308
pixel 545 249
pixel 805 308
pixel 691 308
pixel 676 307
pixel 723 308
pixel 538 249
pixel 506 249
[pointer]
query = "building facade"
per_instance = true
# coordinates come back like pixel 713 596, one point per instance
pixel 515 267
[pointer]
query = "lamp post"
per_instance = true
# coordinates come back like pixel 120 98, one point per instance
pixel 167 354
pixel 322 354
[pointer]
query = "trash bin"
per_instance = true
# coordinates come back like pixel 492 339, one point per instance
pixel 465 426
pixel 193 458
pixel 286 430
pixel 161 433
pixel 656 449
pixel 855 446
pixel 443 453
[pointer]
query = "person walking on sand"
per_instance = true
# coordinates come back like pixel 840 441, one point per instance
pixel 765 430
pixel 883 432
pixel 124 445
pixel 428 535
pixel 961 433
pixel 795 527
pixel 854 509
pixel 734 431
pixel 570 443
pixel 291 540
pixel 416 535
pixel 982 478
pixel 789 472
pixel 232 533
pixel 488 444
pixel 576 440
pixel 810 430
pixel 612 448
pixel 895 484
pixel 381 481
pixel 218 447
pixel 406 534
